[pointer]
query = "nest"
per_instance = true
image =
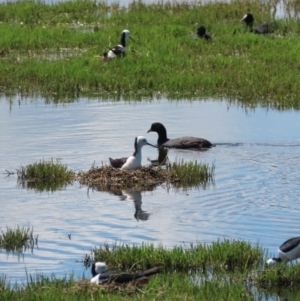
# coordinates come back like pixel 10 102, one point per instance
pixel 107 178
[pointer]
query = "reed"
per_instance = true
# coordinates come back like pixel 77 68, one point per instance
pixel 278 276
pixel 191 174
pixel 45 171
pixel 175 286
pixel 163 60
pixel 226 254
pixel 17 240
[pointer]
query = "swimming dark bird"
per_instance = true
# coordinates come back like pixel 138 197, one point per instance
pixel 260 29
pixel 201 33
pixel 134 161
pixel 119 50
pixel 183 142
pixel 102 275
pixel 288 251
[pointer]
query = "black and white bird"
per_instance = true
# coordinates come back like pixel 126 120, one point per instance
pixel 134 161
pixel 260 29
pixel 182 143
pixel 288 251
pixel 201 33
pixel 102 275
pixel 119 50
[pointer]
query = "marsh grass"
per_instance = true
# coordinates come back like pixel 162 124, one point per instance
pixel 279 276
pixel 180 174
pixel 191 174
pixel 175 286
pixel 226 254
pixel 17 240
pixel 163 59
pixel 45 175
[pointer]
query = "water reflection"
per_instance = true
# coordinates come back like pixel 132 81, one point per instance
pixel 162 158
pixel 43 186
pixel 136 198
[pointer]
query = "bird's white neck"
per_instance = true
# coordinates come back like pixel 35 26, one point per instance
pixel 138 156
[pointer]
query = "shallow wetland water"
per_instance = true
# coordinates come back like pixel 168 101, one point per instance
pixel 254 198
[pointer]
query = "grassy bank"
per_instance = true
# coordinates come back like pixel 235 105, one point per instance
pixel 176 286
pixel 164 59
pixel 222 270
pixel 226 254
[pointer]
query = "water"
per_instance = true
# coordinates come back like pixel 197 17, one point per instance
pixel 281 9
pixel 255 197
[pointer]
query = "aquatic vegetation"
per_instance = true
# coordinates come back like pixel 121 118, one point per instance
pixel 17 240
pixel 45 175
pixel 226 254
pixel 180 174
pixel 191 174
pixel 164 60
pixel 281 275
pixel 175 286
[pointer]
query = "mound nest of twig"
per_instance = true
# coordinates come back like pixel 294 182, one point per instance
pixel 107 178
pixel 86 286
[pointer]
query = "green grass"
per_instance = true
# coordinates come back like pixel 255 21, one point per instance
pixel 45 175
pixel 223 254
pixel 223 270
pixel 163 59
pixel 17 240
pixel 191 174
pixel 175 286
pixel 279 276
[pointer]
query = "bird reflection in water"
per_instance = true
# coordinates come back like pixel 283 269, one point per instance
pixel 162 157
pixel 136 197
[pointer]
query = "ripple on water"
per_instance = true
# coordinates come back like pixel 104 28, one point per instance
pixel 255 196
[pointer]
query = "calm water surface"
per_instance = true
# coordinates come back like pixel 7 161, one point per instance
pixel 255 197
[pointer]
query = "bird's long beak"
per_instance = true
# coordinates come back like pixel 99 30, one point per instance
pixel 149 131
pixel 131 39
pixel 151 145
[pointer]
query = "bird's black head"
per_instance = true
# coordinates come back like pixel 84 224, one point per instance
pixel 248 19
pixel 157 127
pixel 201 31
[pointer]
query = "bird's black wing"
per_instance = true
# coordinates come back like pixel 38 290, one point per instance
pixel 290 244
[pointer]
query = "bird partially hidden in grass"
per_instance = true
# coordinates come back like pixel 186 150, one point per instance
pixel 201 33
pixel 119 50
pixel 288 251
pixel 182 143
pixel 101 275
pixel 260 29
pixel 134 161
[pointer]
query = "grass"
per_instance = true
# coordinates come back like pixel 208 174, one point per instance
pixel 164 59
pixel 176 286
pixel 191 174
pixel 179 174
pixel 279 276
pixel 45 175
pixel 223 270
pixel 17 240
pixel 225 254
